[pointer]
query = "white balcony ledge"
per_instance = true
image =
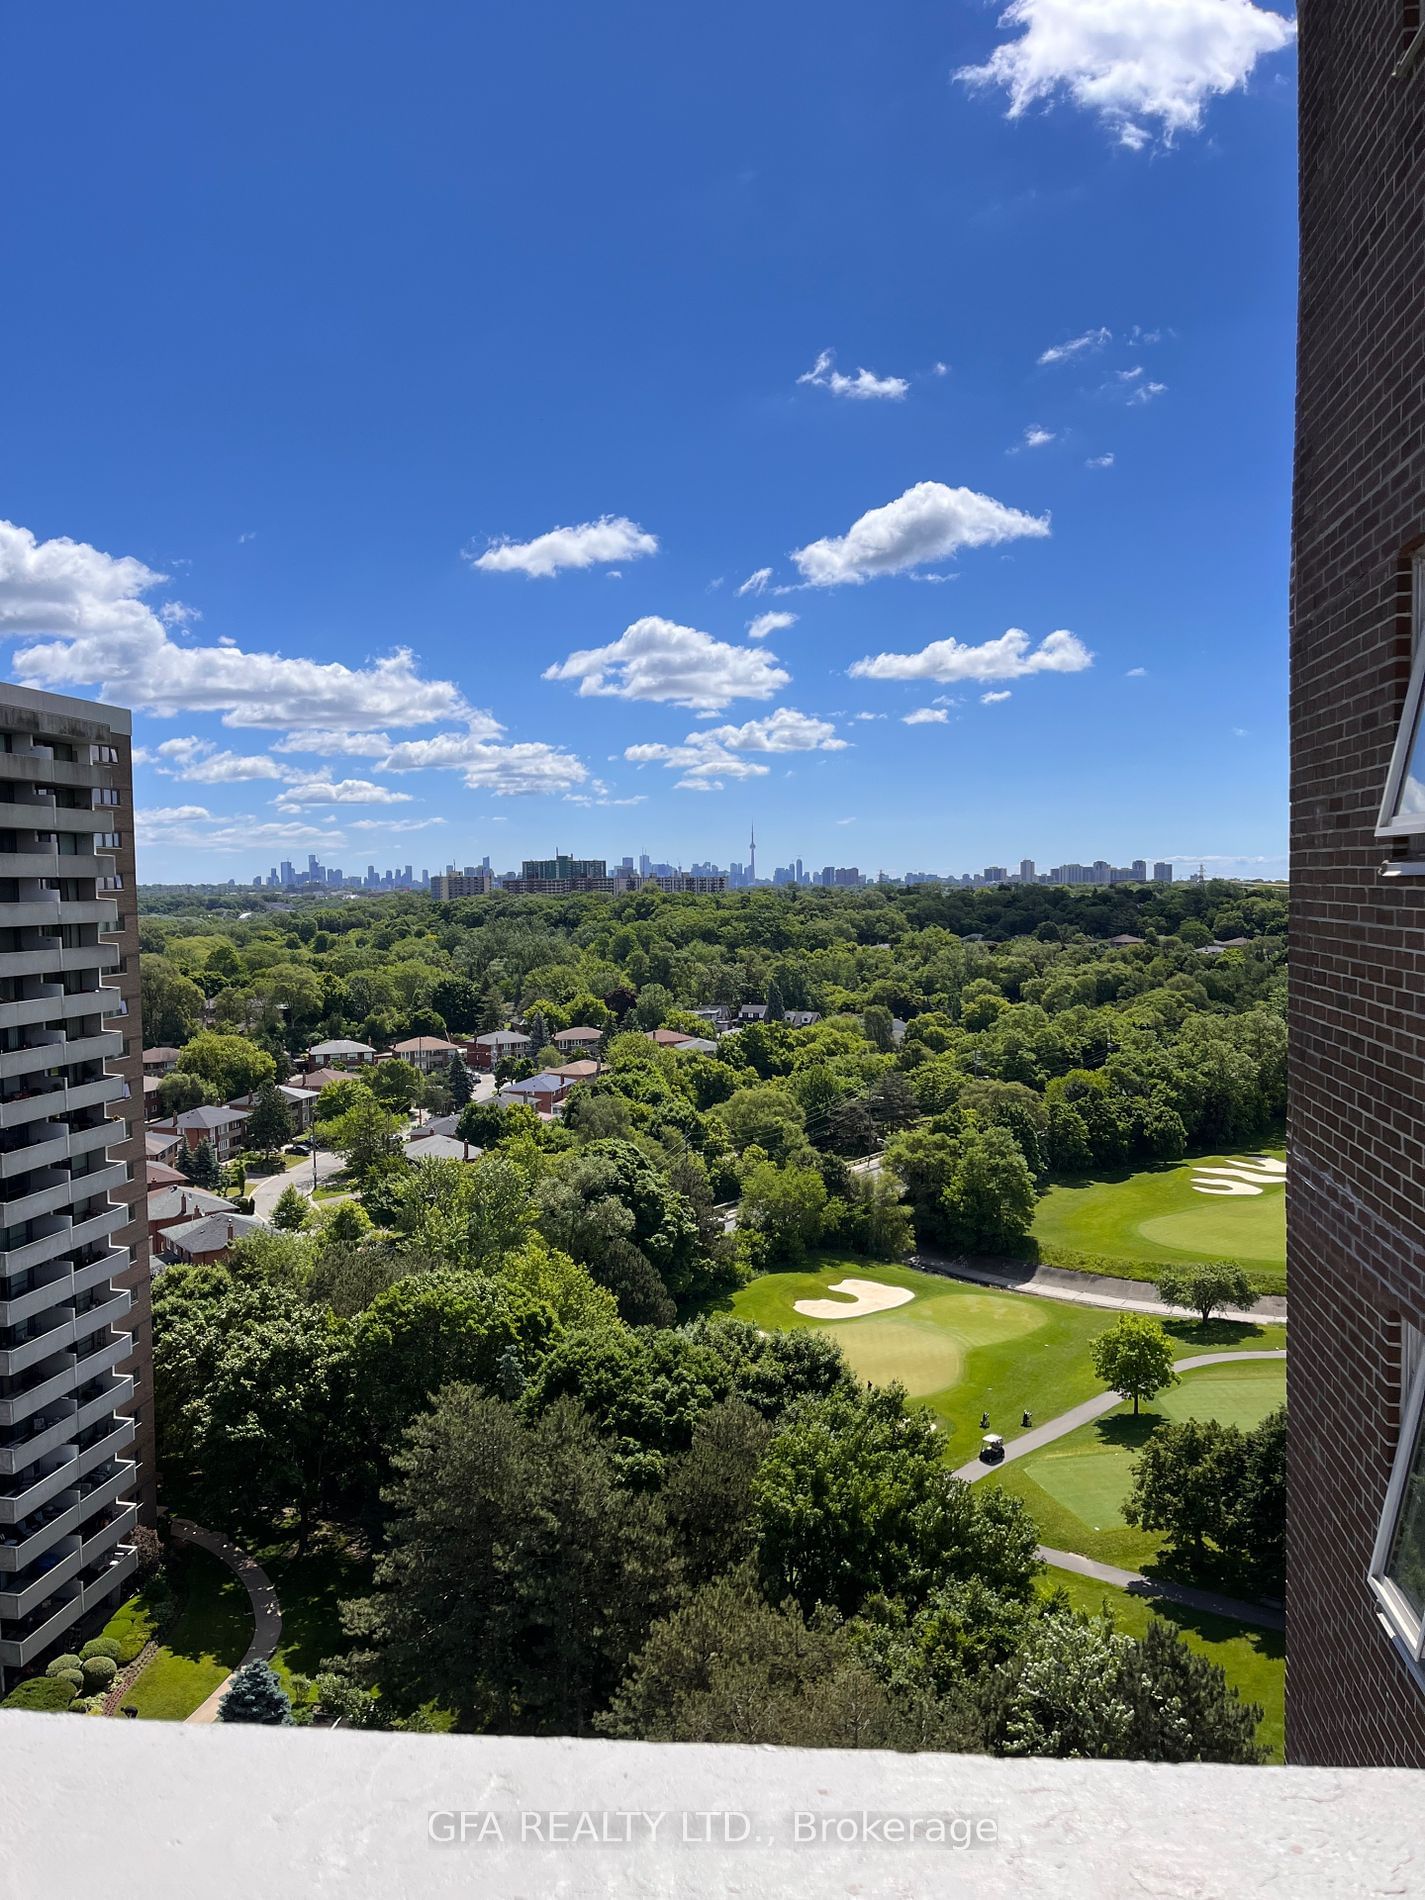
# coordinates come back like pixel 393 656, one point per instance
pixel 237 1811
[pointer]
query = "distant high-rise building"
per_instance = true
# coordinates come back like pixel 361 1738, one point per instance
pixel 1026 870
pixel 644 863
pixel 1162 872
pixel 1140 870
pixel 995 874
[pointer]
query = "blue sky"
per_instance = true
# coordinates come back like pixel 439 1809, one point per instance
pixel 319 325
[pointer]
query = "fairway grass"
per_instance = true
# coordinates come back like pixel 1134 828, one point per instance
pixel 961 1349
pixel 1076 1487
pixel 1158 1217
pixel 1254 1660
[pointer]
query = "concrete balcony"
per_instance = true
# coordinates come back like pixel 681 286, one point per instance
pixel 57 1384
pixel 43 1049
pixel 103 1088
pixel 52 1237
pixel 113 1531
pixel 105 1311
pixel 98 1227
pixel 29 1593
pixel 121 1566
pixel 16 1506
pixel 109 1446
pixel 115 1260
pixel 103 1358
pixel 52 1191
pixel 40 767
pixel 45 1096
pixel 41 1006
pixel 52 911
pixel 47 1145
pixel 60 1425
pixel 116 1397
pixel 47 814
pixel 52 863
pixel 20 1545
pixel 19 1649
pixel 107 1045
pixel 50 1333
pixel 90 956
pixel 29 1301
pixel 84 1141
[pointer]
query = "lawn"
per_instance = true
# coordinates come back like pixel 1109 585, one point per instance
pixel 961 1349
pixel 204 1643
pixel 1254 1660
pixel 1158 1217
pixel 1076 1487
pixel 310 1590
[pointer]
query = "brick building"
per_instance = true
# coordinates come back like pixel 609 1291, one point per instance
pixel 1356 1195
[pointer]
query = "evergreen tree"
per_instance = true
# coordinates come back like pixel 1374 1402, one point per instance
pixel 255 1695
pixel 458 1081
pixel 776 1008
pixel 269 1126
pixel 492 1013
pixel 200 1166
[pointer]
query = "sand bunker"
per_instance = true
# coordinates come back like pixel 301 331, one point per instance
pixel 1248 1176
pixel 862 1296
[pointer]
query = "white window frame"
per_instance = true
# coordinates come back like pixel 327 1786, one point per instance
pixel 1405 1625
pixel 1390 824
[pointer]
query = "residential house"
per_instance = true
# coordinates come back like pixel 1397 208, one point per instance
pixel 695 1046
pixel 339 1054
pixel 668 1038
pixel 162 1144
pixel 318 1079
pixel 546 1092
pixel 499 1045
pixel 301 1102
pixel 221 1126
pixel 426 1052
pixel 571 1042
pixel 158 1174
pixel 583 1069
pixel 160 1062
pixel 176 1206
pixel 426 1146
pixel 209 1239
pixel 793 1018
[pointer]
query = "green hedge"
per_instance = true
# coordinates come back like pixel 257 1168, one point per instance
pixel 48 1694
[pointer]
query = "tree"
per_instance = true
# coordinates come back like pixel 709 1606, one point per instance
pixel 876 1026
pixel 254 1694
pixel 292 1211
pixel 172 1004
pixel 517 1578
pixel 269 1126
pixel 1258 1528
pixel 177 1093
pixel 1205 1289
pixel 924 1163
pixel 366 1136
pixel 536 1027
pixel 784 1206
pixel 610 1208
pixel 763 1117
pixel 989 1200
pixel 1135 1358
pixel 457 1078
pixel 483 1124
pixel 892 1102
pixel 1207 1484
pixel 395 1085
pixel 232 1065
pixel 339 1098
pixel 708 1490
pixel 200 1166
pixel 776 1008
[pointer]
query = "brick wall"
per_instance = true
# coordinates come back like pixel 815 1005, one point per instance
pixel 1356 1202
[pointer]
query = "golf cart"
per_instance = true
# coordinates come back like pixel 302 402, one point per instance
pixel 991 1448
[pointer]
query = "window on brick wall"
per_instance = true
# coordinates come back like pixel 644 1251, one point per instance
pixel 1402 812
pixel 1398 1562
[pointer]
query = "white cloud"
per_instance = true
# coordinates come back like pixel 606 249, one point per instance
pixel 929 522
pixel 1147 392
pixel 1035 437
pixel 656 659
pixel 396 824
pixel 1076 346
pixel 1129 375
pixel 925 716
pixel 198 761
pixel 764 624
pixel 864 386
pixel 195 827
pixel 940 369
pixel 868 715
pixel 1134 64
pixel 756 583
pixel 598 543
pixel 356 745
pixel 1012 656
pixel 506 770
pixel 86 611
pixel 715 753
pixel 1100 461
pixel 151 815
pixel 1136 673
pixel 994 699
pixel 345 791
pixel 846 821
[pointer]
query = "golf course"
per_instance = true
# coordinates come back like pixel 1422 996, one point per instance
pixel 962 1350
pixel 1213 1207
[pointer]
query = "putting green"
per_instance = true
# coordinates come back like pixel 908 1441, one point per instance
pixel 1077 1486
pixel 960 1350
pixel 1159 1215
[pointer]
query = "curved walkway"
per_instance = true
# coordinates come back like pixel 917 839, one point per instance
pixel 1091 1409
pixel 1137 1585
pixel 266 1616
pixel 1082 1289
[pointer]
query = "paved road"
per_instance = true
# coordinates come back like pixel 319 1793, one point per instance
pixel 1091 1409
pixel 1081 1289
pixel 266 1615
pixel 1136 1584
pixel 267 1191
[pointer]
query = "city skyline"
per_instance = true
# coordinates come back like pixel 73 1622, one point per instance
pixel 895 504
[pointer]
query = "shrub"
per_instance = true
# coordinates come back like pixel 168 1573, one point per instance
pixel 148 1550
pixel 86 1704
pixel 74 1677
pixel 101 1646
pixel 48 1694
pixel 62 1664
pixel 99 1672
pixel 255 1695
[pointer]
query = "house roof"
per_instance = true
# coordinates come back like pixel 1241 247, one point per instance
pixel 161 1054
pixel 695 1046
pixel 158 1174
pixel 583 1070
pixel 547 1082
pixel 1123 939
pixel 341 1048
pixel 178 1203
pixel 221 1117
pixel 318 1079
pixel 161 1141
pixel 211 1232
pixel 440 1148
pixel 497 1038
pixel 669 1038
pixel 438 1125
pixel 424 1046
pixel 579 1035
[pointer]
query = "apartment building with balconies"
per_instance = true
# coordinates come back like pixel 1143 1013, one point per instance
pixel 74 1335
